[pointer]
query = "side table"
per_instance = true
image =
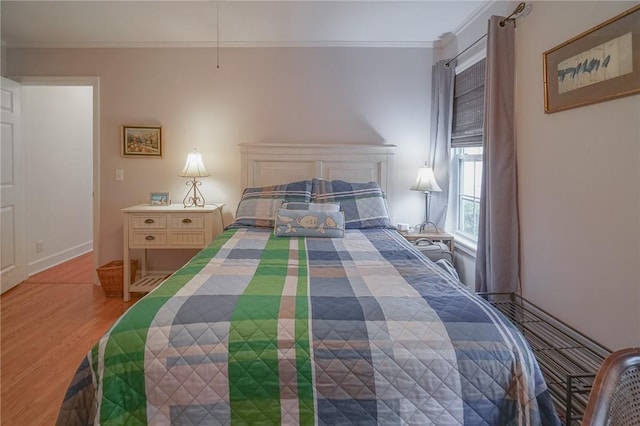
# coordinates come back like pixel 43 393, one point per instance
pixel 431 236
pixel 164 227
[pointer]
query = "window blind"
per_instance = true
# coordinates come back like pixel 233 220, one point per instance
pixel 468 106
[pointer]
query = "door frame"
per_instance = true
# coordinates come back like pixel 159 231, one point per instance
pixel 17 271
pixel 94 82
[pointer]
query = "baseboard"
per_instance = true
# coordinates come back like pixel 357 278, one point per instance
pixel 58 258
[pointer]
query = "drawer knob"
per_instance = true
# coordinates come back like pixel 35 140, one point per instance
pixel 186 220
pixel 149 238
pixel 149 221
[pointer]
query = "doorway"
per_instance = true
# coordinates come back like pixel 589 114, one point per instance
pixel 61 132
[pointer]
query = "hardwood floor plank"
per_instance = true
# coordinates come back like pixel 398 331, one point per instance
pixel 77 270
pixel 47 325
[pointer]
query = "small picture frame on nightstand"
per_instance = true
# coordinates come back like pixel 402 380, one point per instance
pixel 159 199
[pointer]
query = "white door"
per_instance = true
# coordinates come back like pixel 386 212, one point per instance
pixel 13 253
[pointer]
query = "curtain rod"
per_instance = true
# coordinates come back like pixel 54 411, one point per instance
pixel 518 10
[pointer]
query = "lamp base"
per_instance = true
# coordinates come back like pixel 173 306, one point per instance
pixel 195 199
pixel 425 225
pixel 427 201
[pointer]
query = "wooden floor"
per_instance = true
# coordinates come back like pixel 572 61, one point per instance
pixel 47 325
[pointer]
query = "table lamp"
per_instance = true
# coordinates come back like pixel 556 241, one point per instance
pixel 194 168
pixel 426 182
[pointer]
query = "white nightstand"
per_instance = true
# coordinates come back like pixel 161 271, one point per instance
pixel 165 227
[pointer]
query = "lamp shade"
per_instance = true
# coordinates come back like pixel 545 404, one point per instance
pixel 194 166
pixel 426 181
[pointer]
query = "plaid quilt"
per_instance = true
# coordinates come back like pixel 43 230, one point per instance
pixel 261 330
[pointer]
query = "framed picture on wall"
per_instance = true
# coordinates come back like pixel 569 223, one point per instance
pixel 141 141
pixel 600 64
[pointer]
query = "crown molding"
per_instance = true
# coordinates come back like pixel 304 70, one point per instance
pixel 226 44
pixel 480 10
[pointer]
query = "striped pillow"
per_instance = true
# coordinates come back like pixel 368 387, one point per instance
pixel 258 206
pixel 363 204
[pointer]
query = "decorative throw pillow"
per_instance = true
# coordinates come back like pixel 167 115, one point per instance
pixel 258 206
pixel 363 204
pixel 303 223
pixel 312 207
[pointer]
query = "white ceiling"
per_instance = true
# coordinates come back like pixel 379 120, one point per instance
pixel 183 23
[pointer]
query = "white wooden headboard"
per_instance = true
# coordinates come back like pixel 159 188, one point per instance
pixel 272 164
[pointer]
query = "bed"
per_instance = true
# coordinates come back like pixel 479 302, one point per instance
pixel 301 313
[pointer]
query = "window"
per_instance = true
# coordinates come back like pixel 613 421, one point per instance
pixel 466 148
pixel 469 165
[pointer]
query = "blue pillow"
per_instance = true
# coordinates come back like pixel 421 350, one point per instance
pixel 363 204
pixel 258 206
pixel 304 223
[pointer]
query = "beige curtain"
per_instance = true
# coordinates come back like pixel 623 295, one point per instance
pixel 498 255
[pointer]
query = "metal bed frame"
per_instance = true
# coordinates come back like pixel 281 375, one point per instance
pixel 569 360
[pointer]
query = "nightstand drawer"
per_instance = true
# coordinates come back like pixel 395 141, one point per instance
pixel 140 239
pixel 187 239
pixel 148 221
pixel 187 221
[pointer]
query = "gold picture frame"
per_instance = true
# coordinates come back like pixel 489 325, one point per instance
pixel 141 141
pixel 600 64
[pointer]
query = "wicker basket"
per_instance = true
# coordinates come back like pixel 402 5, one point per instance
pixel 111 276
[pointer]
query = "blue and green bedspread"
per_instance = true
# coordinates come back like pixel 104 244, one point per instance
pixel 262 330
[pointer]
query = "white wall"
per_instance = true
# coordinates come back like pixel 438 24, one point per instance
pixel 291 95
pixel 58 134
pixel 579 183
